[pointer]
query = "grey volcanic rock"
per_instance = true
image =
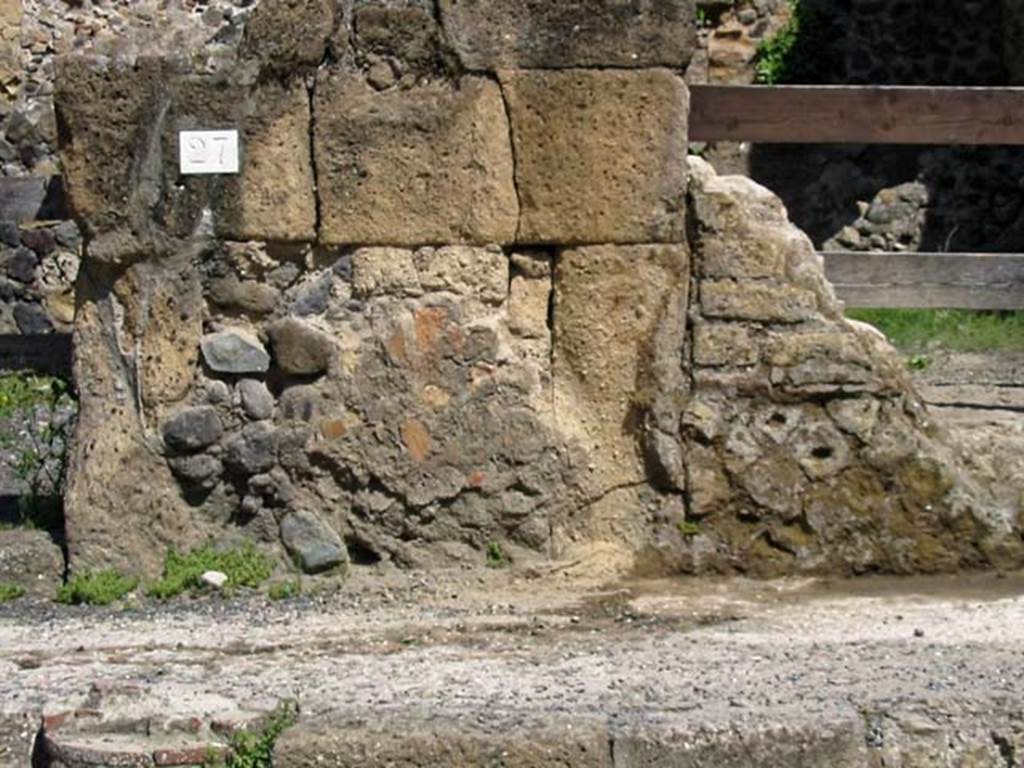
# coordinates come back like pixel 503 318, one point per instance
pixel 252 451
pixel 257 402
pixel 313 544
pixel 193 429
pixel 32 318
pixel 234 351
pixel 21 265
pixel 300 349
pixel 200 471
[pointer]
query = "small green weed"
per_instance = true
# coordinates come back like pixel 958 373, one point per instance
pixel 496 557
pixel 285 590
pixel 916 331
pixel 688 529
pixel 799 52
pixel 19 391
pixel 244 566
pixel 773 53
pixel 919 362
pixel 96 588
pixel 10 592
pixel 256 750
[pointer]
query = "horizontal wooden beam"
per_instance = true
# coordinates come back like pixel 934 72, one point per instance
pixel 990 281
pixel 32 198
pixel 857 115
pixel 48 353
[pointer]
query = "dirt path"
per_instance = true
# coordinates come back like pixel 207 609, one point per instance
pixel 510 662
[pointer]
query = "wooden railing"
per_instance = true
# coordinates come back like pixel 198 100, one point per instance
pixel 883 115
pixel 850 114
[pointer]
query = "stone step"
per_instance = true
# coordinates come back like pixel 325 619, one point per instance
pixel 123 751
pixel 124 723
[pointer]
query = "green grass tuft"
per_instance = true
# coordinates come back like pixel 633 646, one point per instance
pixel 95 588
pixel 256 750
pixel 19 391
pixel 921 330
pixel 496 557
pixel 285 590
pixel 244 566
pixel 688 529
pixel 10 592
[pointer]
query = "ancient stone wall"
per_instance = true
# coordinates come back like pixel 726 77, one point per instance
pixel 464 290
pixel 39 259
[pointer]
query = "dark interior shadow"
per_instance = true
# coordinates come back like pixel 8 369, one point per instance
pixel 975 195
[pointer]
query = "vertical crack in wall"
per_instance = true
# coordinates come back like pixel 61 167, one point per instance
pixel 515 160
pixel 552 266
pixel 689 341
pixel 317 200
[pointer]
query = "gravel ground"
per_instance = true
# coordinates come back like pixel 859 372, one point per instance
pixel 474 650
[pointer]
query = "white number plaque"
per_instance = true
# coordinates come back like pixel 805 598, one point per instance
pixel 204 152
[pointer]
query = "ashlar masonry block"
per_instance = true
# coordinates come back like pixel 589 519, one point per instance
pixel 423 166
pixel 554 34
pixel 122 161
pixel 600 155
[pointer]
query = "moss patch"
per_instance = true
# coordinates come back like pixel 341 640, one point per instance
pixel 10 592
pixel 285 590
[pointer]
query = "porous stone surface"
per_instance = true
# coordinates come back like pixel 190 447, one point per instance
pixel 808 448
pixel 619 327
pixel 124 156
pixel 397 38
pixel 559 34
pixel 430 164
pixel 600 155
pixel 290 34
